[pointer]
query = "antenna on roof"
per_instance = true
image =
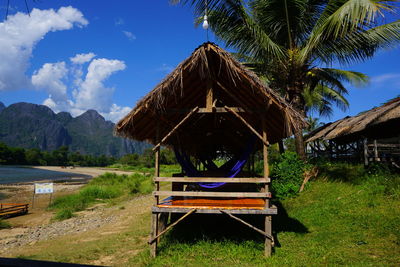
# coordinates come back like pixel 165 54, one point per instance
pixel 205 20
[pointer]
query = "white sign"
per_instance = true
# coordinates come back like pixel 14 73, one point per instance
pixel 45 188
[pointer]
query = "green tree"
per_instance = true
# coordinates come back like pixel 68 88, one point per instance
pixel 292 44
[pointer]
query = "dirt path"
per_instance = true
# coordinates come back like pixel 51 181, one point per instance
pixel 91 227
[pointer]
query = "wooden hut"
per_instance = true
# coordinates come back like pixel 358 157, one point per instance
pixel 373 135
pixel 211 107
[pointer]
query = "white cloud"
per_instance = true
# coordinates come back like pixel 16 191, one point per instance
pixel 49 78
pixel 20 33
pixel 129 35
pixel 82 58
pixel 384 78
pixel 116 113
pixel 90 91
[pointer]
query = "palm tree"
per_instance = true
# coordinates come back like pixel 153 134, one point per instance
pixel 294 43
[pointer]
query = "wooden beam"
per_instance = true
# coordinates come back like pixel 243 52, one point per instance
pixel 247 124
pixel 247 224
pixel 176 127
pixel 223 110
pixel 235 98
pixel 212 180
pixel 212 194
pixel 170 226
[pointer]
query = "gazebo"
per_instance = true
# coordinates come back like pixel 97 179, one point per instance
pixel 211 107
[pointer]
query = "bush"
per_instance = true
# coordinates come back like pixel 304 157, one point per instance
pixel 288 175
pixel 4 224
pixel 64 214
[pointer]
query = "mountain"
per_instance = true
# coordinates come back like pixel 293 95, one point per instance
pixel 36 126
pixel 2 106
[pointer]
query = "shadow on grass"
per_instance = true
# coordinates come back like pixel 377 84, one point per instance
pixel 221 228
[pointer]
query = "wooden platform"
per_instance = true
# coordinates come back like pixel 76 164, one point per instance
pixel 13 209
pixel 214 205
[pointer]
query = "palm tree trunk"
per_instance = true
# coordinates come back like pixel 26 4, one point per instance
pixel 298 103
pixel 299 144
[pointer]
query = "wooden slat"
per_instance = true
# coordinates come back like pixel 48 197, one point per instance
pixel 247 124
pixel 176 128
pixel 213 194
pixel 269 211
pixel 211 180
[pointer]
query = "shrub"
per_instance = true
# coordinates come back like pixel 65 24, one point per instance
pixel 4 224
pixel 288 175
pixel 64 214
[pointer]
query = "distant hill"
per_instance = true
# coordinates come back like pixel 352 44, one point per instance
pixel 37 126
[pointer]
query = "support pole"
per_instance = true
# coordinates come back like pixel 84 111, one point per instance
pixel 268 231
pixel 268 219
pixel 157 163
pixel 376 157
pixel 366 152
pixel 154 238
pixel 154 233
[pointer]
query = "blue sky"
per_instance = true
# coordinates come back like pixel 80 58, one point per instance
pixel 133 45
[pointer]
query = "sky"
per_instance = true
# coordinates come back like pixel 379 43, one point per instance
pixel 106 55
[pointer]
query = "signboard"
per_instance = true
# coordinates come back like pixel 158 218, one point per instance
pixel 44 188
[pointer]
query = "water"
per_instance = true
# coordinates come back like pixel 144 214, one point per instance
pixel 25 174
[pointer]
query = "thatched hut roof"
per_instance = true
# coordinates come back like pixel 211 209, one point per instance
pixel 380 122
pixel 186 88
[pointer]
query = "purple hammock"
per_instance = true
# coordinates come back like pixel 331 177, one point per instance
pixel 231 167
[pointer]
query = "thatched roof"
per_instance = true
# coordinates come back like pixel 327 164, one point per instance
pixel 380 122
pixel 186 87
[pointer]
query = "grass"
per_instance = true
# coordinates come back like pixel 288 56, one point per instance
pixel 106 187
pixel 348 216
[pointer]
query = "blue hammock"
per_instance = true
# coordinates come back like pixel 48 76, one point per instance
pixel 233 166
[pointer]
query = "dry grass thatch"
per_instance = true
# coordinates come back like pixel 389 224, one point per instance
pixel 378 122
pixel 186 87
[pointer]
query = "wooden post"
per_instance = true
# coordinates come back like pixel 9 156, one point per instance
pixel 376 157
pixel 209 97
pixel 154 233
pixel 365 151
pixel 265 156
pixel 157 163
pixel 268 231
